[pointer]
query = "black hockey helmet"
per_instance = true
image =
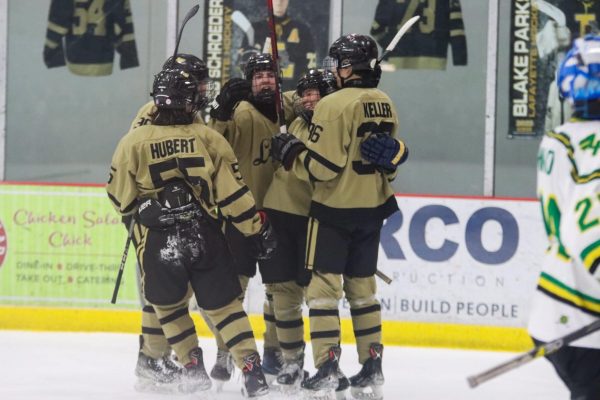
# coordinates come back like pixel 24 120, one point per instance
pixel 258 62
pixel 317 79
pixel 175 89
pixel 188 63
pixel 356 51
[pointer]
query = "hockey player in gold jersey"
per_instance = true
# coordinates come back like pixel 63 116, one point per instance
pixel 286 202
pixel 248 126
pixel 171 175
pixel 350 200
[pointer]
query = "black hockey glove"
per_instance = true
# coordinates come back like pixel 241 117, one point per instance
pixel 264 241
pixel 285 147
pixel 384 151
pixel 232 92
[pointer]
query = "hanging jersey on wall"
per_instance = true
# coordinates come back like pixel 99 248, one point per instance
pixel 425 45
pixel 84 34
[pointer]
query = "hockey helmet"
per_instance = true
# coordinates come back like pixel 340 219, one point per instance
pixel 579 75
pixel 188 63
pixel 258 62
pixel 324 81
pixel 354 50
pixel 175 89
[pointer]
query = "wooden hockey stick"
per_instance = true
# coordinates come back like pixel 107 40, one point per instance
pixel 123 259
pixel 275 54
pixel 403 29
pixel 536 352
pixel 187 17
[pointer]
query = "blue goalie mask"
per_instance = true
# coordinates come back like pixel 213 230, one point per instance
pixel 579 76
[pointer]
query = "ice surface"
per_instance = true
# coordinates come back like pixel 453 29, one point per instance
pixel 99 366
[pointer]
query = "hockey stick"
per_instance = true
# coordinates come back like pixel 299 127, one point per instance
pixel 187 17
pixel 123 259
pixel 536 352
pixel 275 54
pixel 244 24
pixel 383 277
pixel 407 25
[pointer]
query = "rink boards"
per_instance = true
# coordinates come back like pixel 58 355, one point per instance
pixel 463 268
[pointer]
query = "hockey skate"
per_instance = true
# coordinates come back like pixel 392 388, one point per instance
pixel 323 384
pixel 194 377
pixel 255 383
pixel 291 376
pixel 156 375
pixel 343 384
pixel 272 363
pixel 368 383
pixel 223 369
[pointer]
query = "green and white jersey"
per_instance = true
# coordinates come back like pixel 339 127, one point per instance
pixel 347 190
pixel 287 193
pixel 568 185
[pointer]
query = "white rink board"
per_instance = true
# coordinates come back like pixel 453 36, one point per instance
pixel 468 261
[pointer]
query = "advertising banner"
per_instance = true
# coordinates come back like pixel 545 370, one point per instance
pixel 456 261
pixel 541 33
pixel 472 261
pixel 61 246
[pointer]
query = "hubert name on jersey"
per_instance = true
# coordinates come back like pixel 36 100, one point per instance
pixel 169 147
pixel 377 110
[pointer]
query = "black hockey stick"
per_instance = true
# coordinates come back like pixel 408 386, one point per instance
pixel 187 17
pixel 275 54
pixel 123 259
pixel 536 352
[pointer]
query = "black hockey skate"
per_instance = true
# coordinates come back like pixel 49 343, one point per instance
pixel 343 385
pixel 156 375
pixel 272 362
pixel 323 383
pixel 223 368
pixel 367 384
pixel 255 383
pixel 194 376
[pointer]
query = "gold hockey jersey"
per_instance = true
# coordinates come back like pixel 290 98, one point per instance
pixel 143 116
pixel 287 193
pixel 249 133
pixel 346 188
pixel 147 157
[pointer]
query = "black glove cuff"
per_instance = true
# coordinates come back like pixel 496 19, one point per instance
pixel 295 148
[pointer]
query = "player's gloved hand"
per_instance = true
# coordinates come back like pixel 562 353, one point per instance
pixel 152 214
pixel 285 148
pixel 264 241
pixel 232 92
pixel 384 151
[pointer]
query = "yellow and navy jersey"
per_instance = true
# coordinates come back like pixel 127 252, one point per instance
pixel 288 193
pixel 295 45
pixel 425 45
pixel 249 133
pixel 346 188
pixel 151 155
pixel 143 116
pixel 92 31
pixel 568 183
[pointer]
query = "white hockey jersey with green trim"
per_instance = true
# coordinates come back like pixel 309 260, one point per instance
pixel 567 296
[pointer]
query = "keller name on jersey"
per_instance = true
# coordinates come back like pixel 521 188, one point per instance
pixel 169 147
pixel 377 110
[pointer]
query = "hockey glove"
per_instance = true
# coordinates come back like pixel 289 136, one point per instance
pixel 232 92
pixel 285 147
pixel 264 241
pixel 384 151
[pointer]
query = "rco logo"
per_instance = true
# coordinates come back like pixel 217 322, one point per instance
pixel 472 236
